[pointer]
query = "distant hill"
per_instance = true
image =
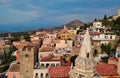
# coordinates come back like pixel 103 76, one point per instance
pixel 75 23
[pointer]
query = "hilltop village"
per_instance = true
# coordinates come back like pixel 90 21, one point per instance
pixel 70 52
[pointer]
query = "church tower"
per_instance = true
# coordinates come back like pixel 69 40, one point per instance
pixel 84 63
pixel 27 62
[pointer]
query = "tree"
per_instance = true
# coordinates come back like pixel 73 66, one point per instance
pixel 95 19
pixel 72 59
pixel 107 23
pixel 106 47
pixel 117 21
pixel 27 37
pixel 8 54
pixel 105 17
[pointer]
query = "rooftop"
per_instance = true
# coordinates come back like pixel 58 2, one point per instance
pixel 46 49
pixel 105 69
pixel 62 71
pixel 49 58
pixel 15 68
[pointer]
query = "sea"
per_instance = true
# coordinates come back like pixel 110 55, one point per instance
pixel 6 29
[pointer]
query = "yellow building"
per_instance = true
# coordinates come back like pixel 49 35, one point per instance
pixel 68 36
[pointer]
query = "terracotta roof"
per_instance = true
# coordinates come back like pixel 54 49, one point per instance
pixel 62 71
pixel 113 77
pixel 15 68
pixel 49 58
pixel 46 49
pixel 105 69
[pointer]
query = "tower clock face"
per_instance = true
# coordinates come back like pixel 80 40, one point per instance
pixel 26 55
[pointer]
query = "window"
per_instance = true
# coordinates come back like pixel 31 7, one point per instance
pixel 29 48
pixel 41 75
pixel 47 65
pixel 110 37
pixel 46 75
pixel 57 64
pixel 42 65
pixel 87 55
pixel 24 48
pixel 53 64
pixel 26 55
pixel 36 75
pixel 66 42
pixel 14 76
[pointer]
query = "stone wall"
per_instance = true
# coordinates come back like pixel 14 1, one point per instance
pixel 27 62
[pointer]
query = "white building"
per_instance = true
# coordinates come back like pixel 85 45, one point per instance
pixel 41 73
pixel 103 38
pixel 49 38
pixel 42 70
pixel 45 51
pixel 64 44
pixel 98 27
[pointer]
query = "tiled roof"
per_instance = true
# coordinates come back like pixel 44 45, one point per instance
pixel 15 68
pixel 46 49
pixel 106 69
pixel 112 77
pixel 59 71
pixel 49 58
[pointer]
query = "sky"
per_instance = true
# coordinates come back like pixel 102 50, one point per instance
pixel 30 14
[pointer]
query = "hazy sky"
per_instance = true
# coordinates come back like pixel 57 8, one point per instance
pixel 54 12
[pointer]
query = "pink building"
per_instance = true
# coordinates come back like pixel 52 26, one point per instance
pixel 18 57
pixel 14 71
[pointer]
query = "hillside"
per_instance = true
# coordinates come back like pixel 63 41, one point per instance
pixel 75 23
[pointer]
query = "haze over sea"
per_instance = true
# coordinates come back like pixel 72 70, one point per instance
pixel 4 29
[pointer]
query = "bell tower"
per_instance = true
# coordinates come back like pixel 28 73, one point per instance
pixel 84 63
pixel 27 62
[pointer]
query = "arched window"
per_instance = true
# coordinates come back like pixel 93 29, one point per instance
pixel 46 75
pixel 42 65
pixel 57 64
pixel 36 75
pixel 47 65
pixel 53 65
pixel 41 75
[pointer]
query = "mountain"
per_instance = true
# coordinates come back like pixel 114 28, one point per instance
pixel 75 23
